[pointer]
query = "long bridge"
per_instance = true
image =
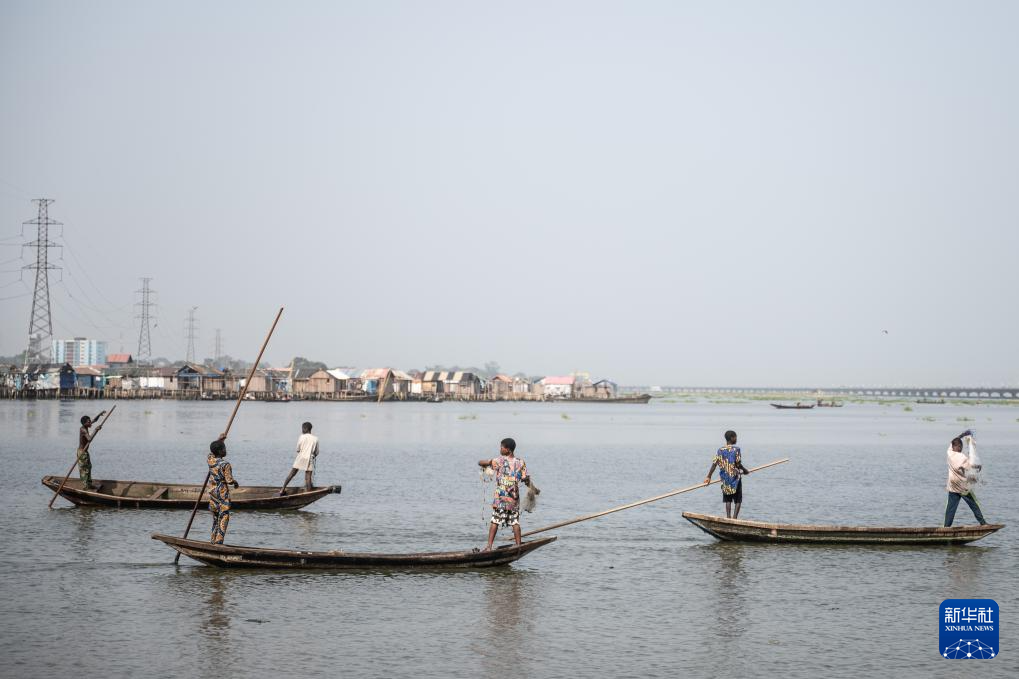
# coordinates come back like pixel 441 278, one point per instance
pixel 919 392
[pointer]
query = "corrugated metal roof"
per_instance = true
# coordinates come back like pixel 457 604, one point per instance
pixel 118 358
pixel 338 374
pixel 558 379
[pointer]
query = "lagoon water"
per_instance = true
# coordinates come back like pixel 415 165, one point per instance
pixel 640 593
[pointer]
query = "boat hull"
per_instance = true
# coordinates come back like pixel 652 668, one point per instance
pixel 782 406
pixel 232 556
pixel 156 495
pixel 757 531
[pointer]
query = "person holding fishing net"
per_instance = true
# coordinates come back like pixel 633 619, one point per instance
pixel 510 471
pixel 963 474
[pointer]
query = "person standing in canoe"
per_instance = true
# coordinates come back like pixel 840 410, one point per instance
pixel 307 452
pixel 729 461
pixel 510 471
pixel 221 477
pixel 84 461
pixel 962 470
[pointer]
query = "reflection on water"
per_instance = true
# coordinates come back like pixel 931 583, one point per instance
pixel 729 586
pixel 634 594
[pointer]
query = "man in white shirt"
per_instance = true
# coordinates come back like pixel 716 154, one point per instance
pixel 960 484
pixel 307 451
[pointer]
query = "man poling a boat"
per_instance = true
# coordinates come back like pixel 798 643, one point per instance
pixel 509 471
pixel 220 479
pixel 729 461
pixel 963 468
pixel 84 461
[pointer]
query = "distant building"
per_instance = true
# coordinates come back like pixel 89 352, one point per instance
pixel 79 351
pixel 557 386
pixel 118 360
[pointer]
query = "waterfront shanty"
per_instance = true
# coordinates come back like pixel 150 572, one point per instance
pixel 121 377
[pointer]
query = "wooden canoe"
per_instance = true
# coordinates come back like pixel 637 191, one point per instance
pixel 156 495
pixel 798 406
pixel 757 531
pixel 232 556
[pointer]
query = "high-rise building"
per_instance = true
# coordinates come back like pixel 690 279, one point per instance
pixel 79 351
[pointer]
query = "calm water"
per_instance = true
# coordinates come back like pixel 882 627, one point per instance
pixel 638 593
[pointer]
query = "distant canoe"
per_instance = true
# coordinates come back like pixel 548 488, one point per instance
pixel 939 401
pixel 156 495
pixel 231 556
pixel 756 531
pixel 829 404
pixel 797 406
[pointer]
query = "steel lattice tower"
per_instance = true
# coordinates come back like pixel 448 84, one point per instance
pixel 190 328
pixel 218 353
pixel 145 316
pixel 40 324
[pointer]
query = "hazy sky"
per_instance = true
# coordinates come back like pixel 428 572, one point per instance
pixel 655 192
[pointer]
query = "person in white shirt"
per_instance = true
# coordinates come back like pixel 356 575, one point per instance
pixel 307 451
pixel 961 468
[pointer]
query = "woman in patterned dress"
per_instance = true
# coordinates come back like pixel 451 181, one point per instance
pixel 220 479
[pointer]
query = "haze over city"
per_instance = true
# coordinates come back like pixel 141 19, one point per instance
pixel 658 193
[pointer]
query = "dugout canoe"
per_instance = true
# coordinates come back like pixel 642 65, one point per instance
pixel 740 530
pixel 233 556
pixel 156 495
pixel 798 406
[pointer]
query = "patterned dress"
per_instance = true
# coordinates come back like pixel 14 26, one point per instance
pixel 509 473
pixel 220 478
pixel 84 461
pixel 729 460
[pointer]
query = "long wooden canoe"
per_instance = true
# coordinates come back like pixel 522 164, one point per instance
pixel 798 406
pixel 156 495
pixel 232 556
pixel 758 531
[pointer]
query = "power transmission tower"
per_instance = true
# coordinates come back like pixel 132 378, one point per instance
pixel 146 305
pixel 40 324
pixel 190 329
pixel 218 353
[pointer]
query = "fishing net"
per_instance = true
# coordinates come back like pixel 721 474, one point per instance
pixel 531 498
pixel 487 476
pixel 973 476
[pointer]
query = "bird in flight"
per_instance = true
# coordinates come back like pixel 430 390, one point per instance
pixel 885 331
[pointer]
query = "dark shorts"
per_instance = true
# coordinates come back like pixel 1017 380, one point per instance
pixel 735 497
pixel 506 517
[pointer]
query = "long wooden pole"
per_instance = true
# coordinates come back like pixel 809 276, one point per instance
pixel 656 498
pixel 230 422
pixel 61 486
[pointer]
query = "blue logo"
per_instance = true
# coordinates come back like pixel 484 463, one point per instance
pixel 969 629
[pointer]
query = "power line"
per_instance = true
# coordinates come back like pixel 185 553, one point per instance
pixel 190 328
pixel 40 323
pixel 144 332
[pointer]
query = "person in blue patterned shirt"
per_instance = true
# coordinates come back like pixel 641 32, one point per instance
pixel 729 461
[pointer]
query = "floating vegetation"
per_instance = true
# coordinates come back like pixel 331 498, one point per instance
pixel 565 416
pixel 467 417
pixel 928 418
pixel 908 409
pixel 964 419
pixel 881 433
pixel 148 412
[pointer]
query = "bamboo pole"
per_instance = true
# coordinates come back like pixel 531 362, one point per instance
pixel 588 517
pixel 87 445
pixel 226 432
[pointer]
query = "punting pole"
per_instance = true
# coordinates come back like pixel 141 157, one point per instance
pixel 656 498
pixel 240 397
pixel 61 486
